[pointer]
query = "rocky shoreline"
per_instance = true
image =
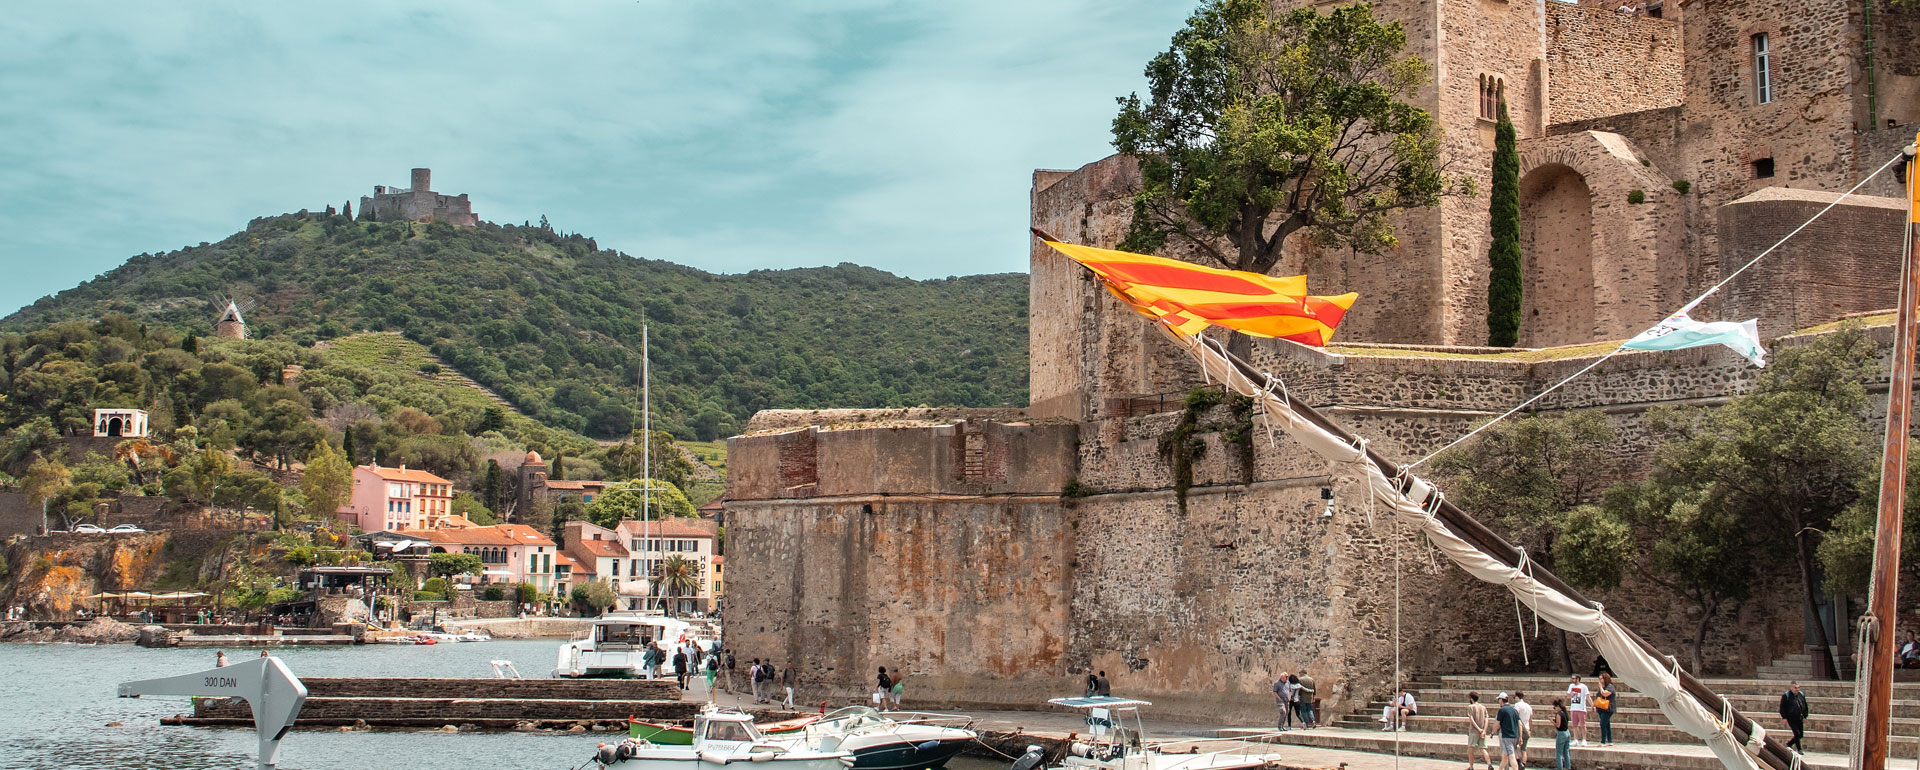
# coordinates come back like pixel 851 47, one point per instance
pixel 95 631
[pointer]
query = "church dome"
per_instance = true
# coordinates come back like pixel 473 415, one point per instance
pixel 533 458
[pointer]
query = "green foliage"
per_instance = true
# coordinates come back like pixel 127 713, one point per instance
pixel 1505 278
pixel 429 596
pixel 491 486
pixel 1258 127
pixel 548 322
pixel 625 500
pixel 526 593
pixel 1682 186
pixel 1636 197
pixel 1594 548
pixel 438 585
pixel 1846 552
pixel 327 483
pixel 44 479
pixel 450 564
pixel 679 576
pixel 1531 473
pixel 494 592
pixel 669 462
pixel 467 505
pixel 284 595
pixel 596 596
pixel 301 556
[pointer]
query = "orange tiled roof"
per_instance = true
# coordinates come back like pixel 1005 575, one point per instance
pixel 662 528
pixel 523 534
pixel 598 548
pixel 398 474
pixel 579 485
pixel 563 559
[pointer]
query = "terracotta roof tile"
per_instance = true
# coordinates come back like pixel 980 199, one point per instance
pixel 396 474
pixel 662 528
pixel 598 548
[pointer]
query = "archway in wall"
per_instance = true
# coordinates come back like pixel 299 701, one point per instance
pixel 1556 244
pixel 115 426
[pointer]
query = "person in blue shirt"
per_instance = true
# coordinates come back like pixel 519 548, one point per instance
pixel 1509 719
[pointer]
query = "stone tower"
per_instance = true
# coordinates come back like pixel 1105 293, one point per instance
pixel 231 325
pixel 418 203
pixel 533 481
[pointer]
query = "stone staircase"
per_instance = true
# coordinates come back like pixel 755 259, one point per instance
pixel 1439 729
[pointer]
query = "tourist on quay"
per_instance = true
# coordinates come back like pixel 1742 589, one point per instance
pixel 1525 710
pixel 899 688
pixel 712 667
pixel 1101 687
pixel 650 659
pixel 789 678
pixel 1604 702
pixel 1793 708
pixel 680 668
pixel 883 686
pixel 1303 693
pixel 1093 684
pixel 1283 697
pixel 1910 652
pixel 1478 727
pixel 726 670
pixel 220 659
pixel 1562 736
pixel 1394 717
pixel 1578 696
pixel 1510 732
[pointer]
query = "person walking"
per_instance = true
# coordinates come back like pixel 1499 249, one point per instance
pixel 1562 736
pixel 1525 710
pixel 1604 703
pixel 1578 698
pixel 1283 696
pixel 1303 698
pixel 651 660
pixel 1793 708
pixel 681 668
pixel 1510 732
pixel 1478 726
pixel 1101 687
pixel 726 670
pixel 789 679
pixel 753 679
pixel 899 689
pixel 1093 684
pixel 712 667
pixel 883 685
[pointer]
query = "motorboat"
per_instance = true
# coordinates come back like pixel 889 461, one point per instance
pixel 892 740
pixel 681 735
pixel 1113 744
pixel 721 738
pixel 615 646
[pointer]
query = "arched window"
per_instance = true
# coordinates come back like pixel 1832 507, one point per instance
pixel 1493 94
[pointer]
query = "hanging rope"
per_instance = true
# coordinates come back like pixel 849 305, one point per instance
pixel 1684 308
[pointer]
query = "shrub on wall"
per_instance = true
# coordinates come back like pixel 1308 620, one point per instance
pixel 494 593
pixel 1682 186
pixel 1636 197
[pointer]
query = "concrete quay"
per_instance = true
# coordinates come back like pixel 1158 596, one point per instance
pixel 497 704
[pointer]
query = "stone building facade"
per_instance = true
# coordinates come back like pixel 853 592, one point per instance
pixel 418 203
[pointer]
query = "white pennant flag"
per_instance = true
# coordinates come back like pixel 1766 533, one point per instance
pixel 1681 331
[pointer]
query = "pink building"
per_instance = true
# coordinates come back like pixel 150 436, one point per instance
pixel 396 499
pixel 511 553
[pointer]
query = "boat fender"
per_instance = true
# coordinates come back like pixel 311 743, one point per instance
pixel 929 745
pixel 606 754
pixel 1081 750
pixel 761 756
pixel 1031 760
pixel 708 756
pixel 626 751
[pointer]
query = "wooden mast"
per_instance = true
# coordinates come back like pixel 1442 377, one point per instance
pixel 1873 723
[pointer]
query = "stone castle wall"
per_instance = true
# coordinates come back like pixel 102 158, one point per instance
pixel 1602 62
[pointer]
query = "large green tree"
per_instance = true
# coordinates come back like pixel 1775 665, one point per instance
pixel 1846 553
pixel 450 564
pixel 328 481
pixel 626 499
pixel 1504 277
pixel 1705 555
pixel 1257 127
pixel 1784 459
pixel 1537 476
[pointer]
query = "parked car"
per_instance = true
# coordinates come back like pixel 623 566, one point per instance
pixel 126 529
pixel 88 529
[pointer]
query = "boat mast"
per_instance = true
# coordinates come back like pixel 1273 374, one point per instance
pixel 1874 685
pixel 646 459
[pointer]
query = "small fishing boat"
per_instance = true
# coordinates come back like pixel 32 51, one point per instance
pixel 1117 746
pixel 679 735
pixel 893 740
pixel 720 738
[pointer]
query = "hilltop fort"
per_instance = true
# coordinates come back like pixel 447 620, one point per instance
pixel 418 203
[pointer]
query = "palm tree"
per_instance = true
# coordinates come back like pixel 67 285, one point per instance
pixel 679 575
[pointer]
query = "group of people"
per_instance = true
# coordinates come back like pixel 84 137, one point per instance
pixel 685 659
pixel 764 677
pixel 889 688
pixel 1294 694
pixel 1514 720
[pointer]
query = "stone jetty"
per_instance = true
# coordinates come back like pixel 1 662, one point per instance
pixel 485 704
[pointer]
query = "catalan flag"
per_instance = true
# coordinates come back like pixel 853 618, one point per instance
pixel 1190 297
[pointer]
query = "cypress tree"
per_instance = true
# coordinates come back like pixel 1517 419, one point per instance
pixel 346 210
pixel 191 344
pixel 1503 257
pixel 347 448
pixel 559 468
pixel 490 487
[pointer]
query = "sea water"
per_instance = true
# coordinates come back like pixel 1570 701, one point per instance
pixel 56 700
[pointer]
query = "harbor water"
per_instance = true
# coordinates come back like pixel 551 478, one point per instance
pixel 57 699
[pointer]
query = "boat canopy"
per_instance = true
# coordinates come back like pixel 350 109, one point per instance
pixel 1098 701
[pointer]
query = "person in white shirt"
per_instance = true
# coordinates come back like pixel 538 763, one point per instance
pixel 1578 698
pixel 1396 713
pixel 1525 710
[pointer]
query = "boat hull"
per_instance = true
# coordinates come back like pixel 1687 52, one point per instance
pixel 908 756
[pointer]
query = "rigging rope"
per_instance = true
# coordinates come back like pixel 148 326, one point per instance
pixel 1897 157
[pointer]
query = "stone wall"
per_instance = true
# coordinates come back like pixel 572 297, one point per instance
pixel 1845 263
pixel 1602 62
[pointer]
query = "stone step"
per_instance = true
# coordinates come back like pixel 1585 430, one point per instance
pixel 1692 755
pixel 1486 683
pixel 1906 724
pixel 1834 741
pixel 1747 704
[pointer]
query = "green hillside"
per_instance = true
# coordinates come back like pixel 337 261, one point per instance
pixel 551 322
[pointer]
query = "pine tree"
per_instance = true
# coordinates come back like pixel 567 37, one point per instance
pixel 1503 258
pixel 346 210
pixel 191 344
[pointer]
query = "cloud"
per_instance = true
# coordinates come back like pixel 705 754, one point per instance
pixel 727 135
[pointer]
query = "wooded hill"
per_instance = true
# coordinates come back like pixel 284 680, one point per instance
pixel 551 322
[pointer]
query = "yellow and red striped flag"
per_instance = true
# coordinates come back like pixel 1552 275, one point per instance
pixel 1190 297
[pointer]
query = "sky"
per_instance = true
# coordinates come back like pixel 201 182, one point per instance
pixel 727 135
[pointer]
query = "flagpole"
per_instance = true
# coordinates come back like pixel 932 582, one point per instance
pixel 1875 663
pixel 646 460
